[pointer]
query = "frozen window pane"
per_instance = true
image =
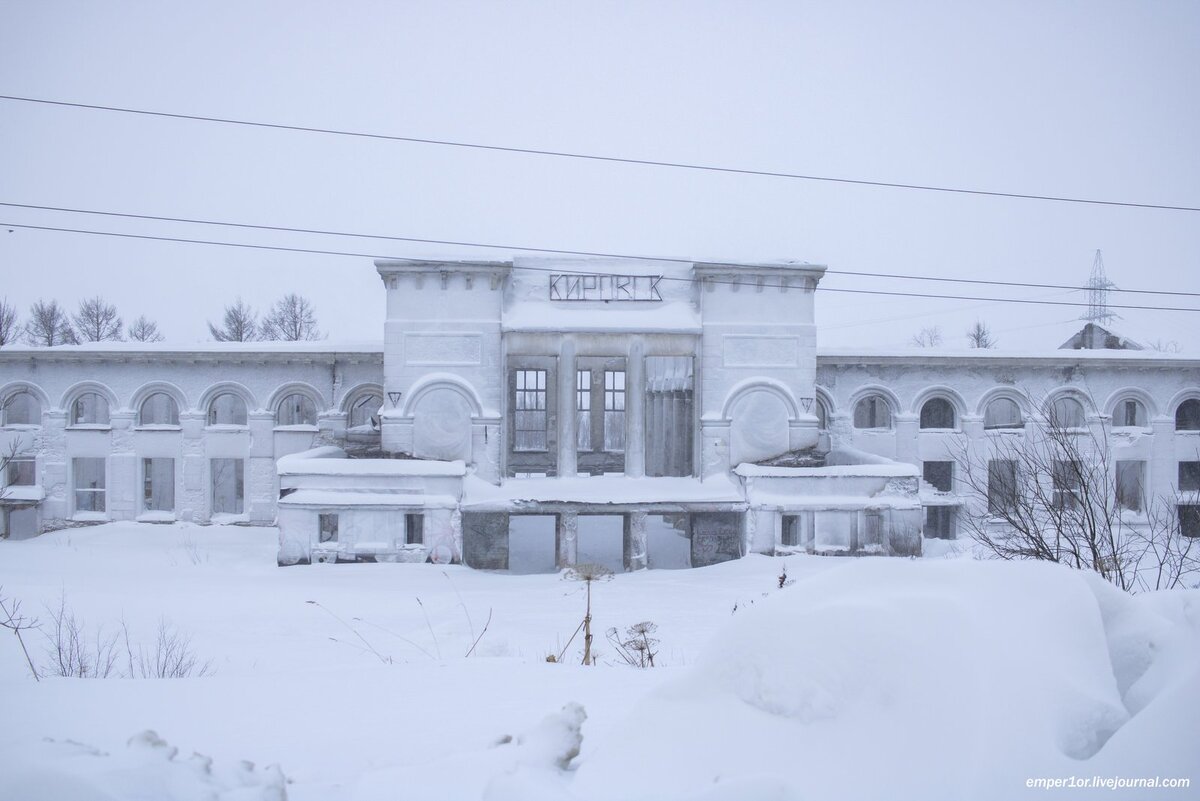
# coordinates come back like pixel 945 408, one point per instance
pixel 1189 520
pixel 1002 413
pixel 583 410
pixel 614 410
pixel 159 409
pixel 364 412
pixel 327 527
pixel 158 485
pixel 228 486
pixel 872 412
pixel 22 472
pixel 1002 486
pixel 89 480
pixel 90 408
pixel 22 409
pixel 1067 413
pixel 297 410
pixel 227 409
pixel 1065 479
pixel 414 528
pixel 1130 413
pixel 1130 478
pixel 1189 476
pixel 529 405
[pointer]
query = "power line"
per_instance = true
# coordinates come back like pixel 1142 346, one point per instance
pixel 556 251
pixel 679 165
pixel 563 271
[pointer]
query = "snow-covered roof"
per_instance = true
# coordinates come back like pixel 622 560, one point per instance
pixel 369 348
pixel 895 470
pixel 299 464
pixel 332 498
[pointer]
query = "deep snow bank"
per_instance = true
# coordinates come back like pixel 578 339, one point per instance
pixel 951 679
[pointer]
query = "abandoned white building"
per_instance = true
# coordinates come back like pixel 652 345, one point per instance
pixel 540 412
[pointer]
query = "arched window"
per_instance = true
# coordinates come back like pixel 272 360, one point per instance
pixel 937 413
pixel 822 416
pixel 364 413
pixel 872 412
pixel 22 409
pixel 227 409
pixel 296 409
pixel 1129 413
pixel 158 409
pixel 1187 416
pixel 1002 413
pixel 90 408
pixel 1067 413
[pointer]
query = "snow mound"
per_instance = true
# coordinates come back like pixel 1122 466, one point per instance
pixel 952 679
pixel 148 769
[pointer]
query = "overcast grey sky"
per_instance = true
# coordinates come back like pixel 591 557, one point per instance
pixel 1086 99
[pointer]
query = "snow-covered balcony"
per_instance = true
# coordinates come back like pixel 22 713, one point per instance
pixel 854 503
pixel 334 508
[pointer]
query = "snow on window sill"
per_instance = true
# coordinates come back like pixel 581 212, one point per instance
pixel 90 517
pixel 223 518
pixel 940 430
pixel 158 427
pixel 229 427
pixel 301 427
pixel 89 427
pixel 156 517
pixel 21 426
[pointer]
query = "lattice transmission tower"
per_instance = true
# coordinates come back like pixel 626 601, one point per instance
pixel 1098 286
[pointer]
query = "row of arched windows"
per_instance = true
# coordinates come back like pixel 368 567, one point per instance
pixel 160 409
pixel 875 412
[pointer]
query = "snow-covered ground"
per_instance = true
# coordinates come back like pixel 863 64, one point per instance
pixel 944 677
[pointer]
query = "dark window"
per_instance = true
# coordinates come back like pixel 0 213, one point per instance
pixel 937 413
pixel 1189 476
pixel 530 407
pixel 1131 477
pixel 791 530
pixel 1002 486
pixel 1130 414
pixel 1065 481
pixel 1189 520
pixel 1187 416
pixel 822 416
pixel 939 522
pixel 872 412
pixel 22 472
pixel 1002 413
pixel 364 413
pixel 327 527
pixel 158 485
pixel 414 528
pixel 159 409
pixel 940 475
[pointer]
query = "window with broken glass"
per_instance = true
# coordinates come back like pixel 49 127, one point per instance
pixel 1065 479
pixel 940 475
pixel 228 486
pixel 1130 414
pixel 158 484
pixel 89 478
pixel 327 527
pixel 21 472
pixel 1189 476
pixel 600 414
pixel 614 410
pixel 1002 486
pixel 583 410
pixel 414 528
pixel 90 408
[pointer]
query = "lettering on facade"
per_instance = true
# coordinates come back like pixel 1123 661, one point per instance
pixel 596 286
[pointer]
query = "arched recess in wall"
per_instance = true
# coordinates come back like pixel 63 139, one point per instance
pixel 1131 407
pixel 153 402
pixel 759 413
pixel 873 408
pixel 296 404
pixel 1184 408
pixel 442 408
pixel 824 408
pixel 22 404
pixel 939 407
pixel 1003 408
pixel 89 403
pixel 362 405
pixel 227 403
pixel 1067 408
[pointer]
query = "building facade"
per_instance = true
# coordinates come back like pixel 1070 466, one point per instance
pixel 536 413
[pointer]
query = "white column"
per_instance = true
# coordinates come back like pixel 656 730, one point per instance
pixel 566 407
pixel 635 409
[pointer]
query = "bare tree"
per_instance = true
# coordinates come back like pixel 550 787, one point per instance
pixel 97 321
pixel 1164 346
pixel 291 319
pixel 9 330
pixel 1052 492
pixel 239 325
pixel 144 330
pixel 929 337
pixel 12 619
pixel 48 325
pixel 980 336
